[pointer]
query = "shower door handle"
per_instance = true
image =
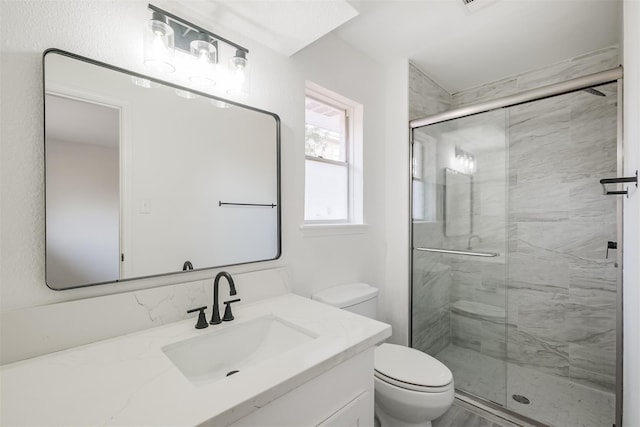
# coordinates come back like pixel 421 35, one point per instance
pixel 457 252
pixel 621 180
pixel 611 245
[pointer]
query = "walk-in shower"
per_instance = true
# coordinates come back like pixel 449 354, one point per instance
pixel 515 279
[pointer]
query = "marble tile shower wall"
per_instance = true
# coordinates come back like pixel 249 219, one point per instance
pixel 431 314
pixel 579 66
pixel 561 289
pixel 478 296
pixel 426 97
pixel 474 314
pixel 561 293
pixel 431 331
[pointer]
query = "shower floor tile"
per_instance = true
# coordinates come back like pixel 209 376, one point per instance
pixel 476 373
pixel 553 400
pixel 462 414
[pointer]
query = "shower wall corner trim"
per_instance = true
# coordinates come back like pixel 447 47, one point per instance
pixel 567 86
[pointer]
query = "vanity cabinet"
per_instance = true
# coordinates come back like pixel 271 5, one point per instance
pixel 342 396
pixel 356 413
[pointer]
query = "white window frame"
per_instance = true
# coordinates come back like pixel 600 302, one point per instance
pixel 353 154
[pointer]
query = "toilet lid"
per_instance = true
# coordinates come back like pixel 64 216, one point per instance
pixel 410 366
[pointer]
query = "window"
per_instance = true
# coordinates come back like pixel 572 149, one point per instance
pixel 333 165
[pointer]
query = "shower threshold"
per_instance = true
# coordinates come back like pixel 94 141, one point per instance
pixel 497 410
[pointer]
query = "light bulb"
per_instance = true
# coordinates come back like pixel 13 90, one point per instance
pixel 239 74
pixel 203 67
pixel 159 45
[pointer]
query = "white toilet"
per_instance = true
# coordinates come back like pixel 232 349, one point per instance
pixel 411 387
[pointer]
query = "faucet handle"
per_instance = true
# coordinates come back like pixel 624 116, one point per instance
pixel 228 316
pixel 202 319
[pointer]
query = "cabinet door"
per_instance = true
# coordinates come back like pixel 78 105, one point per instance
pixel 356 413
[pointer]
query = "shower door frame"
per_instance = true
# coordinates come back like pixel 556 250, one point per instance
pixel 614 75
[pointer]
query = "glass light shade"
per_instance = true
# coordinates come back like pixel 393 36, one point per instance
pixel 203 68
pixel 159 46
pixel 145 83
pixel 239 75
pixel 220 104
pixel 186 94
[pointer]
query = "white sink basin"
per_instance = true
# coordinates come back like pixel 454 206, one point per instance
pixel 215 354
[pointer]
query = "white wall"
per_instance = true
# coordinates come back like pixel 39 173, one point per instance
pixel 631 273
pixel 111 32
pixel 82 207
pixel 315 260
pixel 394 301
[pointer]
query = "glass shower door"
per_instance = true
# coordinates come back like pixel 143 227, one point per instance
pixel 515 286
pixel 562 292
pixel 459 249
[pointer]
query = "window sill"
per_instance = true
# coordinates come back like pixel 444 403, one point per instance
pixel 320 230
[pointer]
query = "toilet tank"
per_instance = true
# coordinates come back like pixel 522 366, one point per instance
pixel 359 298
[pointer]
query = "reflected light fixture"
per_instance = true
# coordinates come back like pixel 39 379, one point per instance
pixel 466 161
pixel 145 83
pixel 186 94
pixel 166 33
pixel 220 104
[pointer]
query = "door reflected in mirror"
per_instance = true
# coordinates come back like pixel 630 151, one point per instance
pixel 83 190
pixel 143 176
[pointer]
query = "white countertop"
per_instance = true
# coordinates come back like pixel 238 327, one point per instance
pixel 128 380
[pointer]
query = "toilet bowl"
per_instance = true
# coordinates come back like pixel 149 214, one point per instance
pixel 411 387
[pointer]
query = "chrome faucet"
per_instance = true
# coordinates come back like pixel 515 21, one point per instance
pixel 470 239
pixel 215 317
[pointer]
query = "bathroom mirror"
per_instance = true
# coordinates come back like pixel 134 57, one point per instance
pixel 457 203
pixel 146 178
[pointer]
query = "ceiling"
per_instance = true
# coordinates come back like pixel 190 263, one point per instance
pixel 285 26
pixel 460 49
pixel 457 46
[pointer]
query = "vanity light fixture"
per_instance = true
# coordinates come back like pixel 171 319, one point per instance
pixel 168 37
pixel 466 161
